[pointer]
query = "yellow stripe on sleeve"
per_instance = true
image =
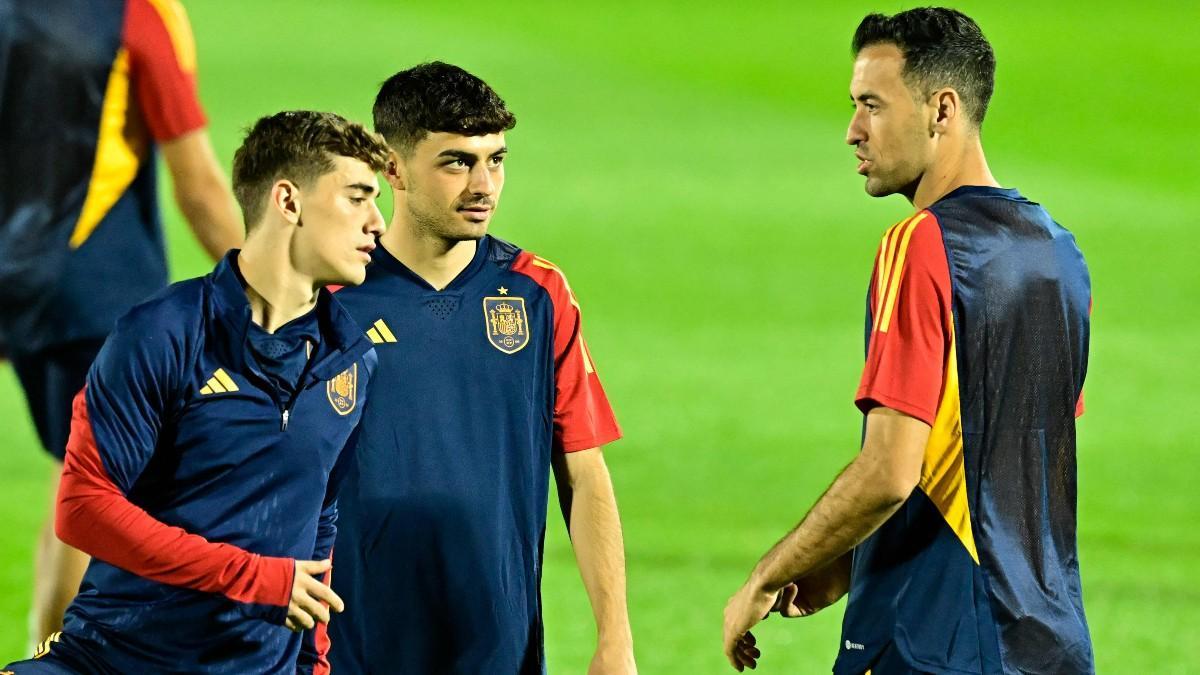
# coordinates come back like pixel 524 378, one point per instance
pixel 897 274
pixel 175 19
pixel 887 254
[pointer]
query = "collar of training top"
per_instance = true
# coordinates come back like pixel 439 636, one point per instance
pixel 230 307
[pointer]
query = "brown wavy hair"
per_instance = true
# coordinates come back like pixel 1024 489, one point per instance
pixel 300 146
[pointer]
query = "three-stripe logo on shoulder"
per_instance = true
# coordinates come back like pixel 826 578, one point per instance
pixel 219 383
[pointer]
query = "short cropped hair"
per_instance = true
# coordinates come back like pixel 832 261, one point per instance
pixel 437 97
pixel 300 146
pixel 942 47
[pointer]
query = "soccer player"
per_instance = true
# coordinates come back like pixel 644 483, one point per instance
pixel 954 528
pixel 95 90
pixel 485 386
pixel 200 472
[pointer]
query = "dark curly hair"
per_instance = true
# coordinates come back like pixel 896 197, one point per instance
pixel 299 145
pixel 942 47
pixel 435 97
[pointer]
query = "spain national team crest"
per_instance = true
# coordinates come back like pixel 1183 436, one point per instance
pixel 343 390
pixel 507 323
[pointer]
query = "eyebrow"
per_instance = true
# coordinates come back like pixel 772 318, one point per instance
pixel 464 155
pixel 865 96
pixel 361 186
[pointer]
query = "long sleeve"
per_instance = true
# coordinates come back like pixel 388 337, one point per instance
pixel 115 427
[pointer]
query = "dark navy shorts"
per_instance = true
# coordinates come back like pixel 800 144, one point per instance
pixel 51 378
pixel 60 654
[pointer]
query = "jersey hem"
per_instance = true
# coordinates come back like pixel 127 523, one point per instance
pixel 594 441
pixel 870 400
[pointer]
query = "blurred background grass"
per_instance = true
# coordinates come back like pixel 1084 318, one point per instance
pixel 686 166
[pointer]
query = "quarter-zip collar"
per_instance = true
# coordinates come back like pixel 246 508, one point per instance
pixel 342 340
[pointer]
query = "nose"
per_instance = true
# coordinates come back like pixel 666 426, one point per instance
pixel 857 131
pixel 375 223
pixel 482 182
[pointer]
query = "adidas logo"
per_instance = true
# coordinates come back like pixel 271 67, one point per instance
pixel 380 333
pixel 219 383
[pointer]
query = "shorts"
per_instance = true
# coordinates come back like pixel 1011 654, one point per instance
pixel 59 654
pixel 51 378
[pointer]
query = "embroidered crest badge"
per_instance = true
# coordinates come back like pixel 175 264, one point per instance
pixel 507 323
pixel 343 390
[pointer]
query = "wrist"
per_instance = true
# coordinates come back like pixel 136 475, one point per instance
pixel 616 637
pixel 761 581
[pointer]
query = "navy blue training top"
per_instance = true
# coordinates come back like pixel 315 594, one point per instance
pixel 87 88
pixel 439 551
pixel 195 485
pixel 977 324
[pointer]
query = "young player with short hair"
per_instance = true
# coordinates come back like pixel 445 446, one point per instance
pixel 485 384
pixel 200 472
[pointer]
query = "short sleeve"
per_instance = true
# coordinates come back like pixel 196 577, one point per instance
pixel 583 417
pixel 909 321
pixel 162 55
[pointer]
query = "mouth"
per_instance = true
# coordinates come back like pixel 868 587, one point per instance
pixel 476 214
pixel 365 251
pixel 863 164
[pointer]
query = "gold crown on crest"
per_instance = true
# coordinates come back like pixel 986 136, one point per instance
pixel 504 307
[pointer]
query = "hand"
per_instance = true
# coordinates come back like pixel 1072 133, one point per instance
pixel 312 600
pixel 801 599
pixel 816 591
pixel 613 659
pixel 744 610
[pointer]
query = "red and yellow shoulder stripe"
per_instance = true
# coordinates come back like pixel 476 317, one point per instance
pixel 889 268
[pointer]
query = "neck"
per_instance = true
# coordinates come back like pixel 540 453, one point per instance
pixel 436 260
pixel 277 291
pixel 962 163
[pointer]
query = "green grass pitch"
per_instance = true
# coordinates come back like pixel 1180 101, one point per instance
pixel 685 165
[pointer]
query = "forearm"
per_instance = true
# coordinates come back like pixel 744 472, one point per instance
pixel 202 193
pixel 211 214
pixel 595 528
pixel 853 507
pixel 96 517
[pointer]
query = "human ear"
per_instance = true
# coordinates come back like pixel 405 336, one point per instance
pixel 393 173
pixel 946 108
pixel 285 199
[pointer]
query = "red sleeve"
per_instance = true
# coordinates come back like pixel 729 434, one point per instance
pixel 96 517
pixel 583 417
pixel 910 319
pixel 162 57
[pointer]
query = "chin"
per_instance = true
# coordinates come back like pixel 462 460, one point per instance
pixel 468 232
pixel 876 188
pixel 351 275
